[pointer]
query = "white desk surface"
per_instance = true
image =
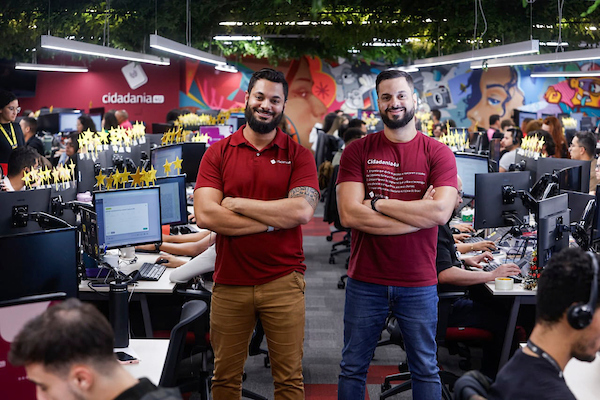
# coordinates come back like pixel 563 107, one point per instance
pixel 163 285
pixel 151 353
pixel 517 290
pixel 583 378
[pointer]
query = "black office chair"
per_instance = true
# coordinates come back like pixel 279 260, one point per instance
pixel 173 375
pixel 448 379
pixel 472 385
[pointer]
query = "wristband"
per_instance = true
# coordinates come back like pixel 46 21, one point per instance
pixel 157 246
pixel 373 201
pixel 270 228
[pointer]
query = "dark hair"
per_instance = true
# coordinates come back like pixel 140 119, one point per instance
pixel 74 136
pixel 356 123
pixel 548 141
pixel 174 114
pixel 437 114
pixel 494 118
pixel 110 120
pixel 352 133
pixel 66 333
pixel 31 123
pixel 87 122
pixel 587 140
pixel 20 158
pixel 506 123
pixel 270 75
pixel 566 279
pixel 517 135
pixel 6 97
pixel 328 121
pixel 393 74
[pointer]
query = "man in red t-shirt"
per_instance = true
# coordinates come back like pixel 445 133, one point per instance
pixel 394 188
pixel 255 188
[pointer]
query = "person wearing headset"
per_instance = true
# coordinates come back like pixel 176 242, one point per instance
pixel 510 142
pixel 567 326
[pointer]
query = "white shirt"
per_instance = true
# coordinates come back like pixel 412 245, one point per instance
pixel 8 187
pixel 507 159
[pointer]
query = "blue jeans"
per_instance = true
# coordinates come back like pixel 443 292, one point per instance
pixel 367 306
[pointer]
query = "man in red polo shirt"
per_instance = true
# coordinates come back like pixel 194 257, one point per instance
pixel 255 188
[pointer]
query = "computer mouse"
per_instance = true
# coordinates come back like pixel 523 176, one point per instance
pixel 161 261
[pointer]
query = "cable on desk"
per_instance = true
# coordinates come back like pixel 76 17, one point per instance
pixel 94 290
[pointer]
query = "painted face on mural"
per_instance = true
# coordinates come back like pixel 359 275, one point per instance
pixel 264 106
pixel 396 103
pixel 587 92
pixel 496 93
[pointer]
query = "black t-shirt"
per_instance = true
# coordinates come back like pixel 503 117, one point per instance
pixel 446 250
pixel 145 390
pixel 529 378
pixel 37 144
pixel 5 147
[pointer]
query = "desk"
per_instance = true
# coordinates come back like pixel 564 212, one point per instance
pixel 140 289
pixel 520 296
pixel 582 378
pixel 151 353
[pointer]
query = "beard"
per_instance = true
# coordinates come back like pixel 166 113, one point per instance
pixel 260 126
pixel 396 122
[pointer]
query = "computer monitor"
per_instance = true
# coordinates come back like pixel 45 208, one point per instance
pixel 67 122
pixel 128 217
pixel 491 211
pixel 14 314
pixel 97 118
pixel 173 205
pixel 577 203
pixel 39 263
pixel 596 223
pixel 190 153
pixel 15 205
pixel 468 165
pixel 552 214
pixel 525 114
pixel 550 165
pixel 160 128
pixel 570 179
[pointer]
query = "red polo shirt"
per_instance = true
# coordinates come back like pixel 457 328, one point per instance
pixel 235 167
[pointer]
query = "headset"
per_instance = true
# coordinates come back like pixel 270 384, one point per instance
pixel 580 315
pixel 517 136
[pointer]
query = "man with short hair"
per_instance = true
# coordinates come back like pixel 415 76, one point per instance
pixel 67 352
pixel 350 136
pixel 29 128
pixel 21 160
pixel 394 188
pixel 511 141
pixel 123 119
pixel 255 188
pixel 436 116
pixel 495 126
pixel 562 331
pixel 358 123
pixel 506 124
pixel 583 147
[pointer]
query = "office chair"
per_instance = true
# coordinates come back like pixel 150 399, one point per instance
pixel 448 379
pixel 470 385
pixel 197 379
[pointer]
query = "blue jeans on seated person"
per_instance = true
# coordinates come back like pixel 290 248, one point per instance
pixel 367 306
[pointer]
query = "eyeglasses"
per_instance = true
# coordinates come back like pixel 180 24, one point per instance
pixel 17 109
pixel 461 193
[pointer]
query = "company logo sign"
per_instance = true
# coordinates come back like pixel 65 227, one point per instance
pixel 128 98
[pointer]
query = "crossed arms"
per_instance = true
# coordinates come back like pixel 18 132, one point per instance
pixel 237 216
pixel 395 217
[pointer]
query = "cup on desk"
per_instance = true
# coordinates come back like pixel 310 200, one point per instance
pixel 127 253
pixel 504 283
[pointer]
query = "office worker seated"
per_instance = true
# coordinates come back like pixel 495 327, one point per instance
pixel 21 160
pixel 583 147
pixel 510 142
pixel 561 331
pixel 472 311
pixel 67 352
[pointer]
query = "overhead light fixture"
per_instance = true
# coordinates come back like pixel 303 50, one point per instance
pixel 170 46
pixel 408 68
pixel 550 58
pixel 237 37
pixel 226 68
pixel 564 74
pixel 73 46
pixel 507 50
pixel 49 67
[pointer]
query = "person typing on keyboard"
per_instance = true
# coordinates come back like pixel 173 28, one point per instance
pixel 469 311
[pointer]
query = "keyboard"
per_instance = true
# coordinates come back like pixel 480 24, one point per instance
pixel 498 233
pixel 151 272
pixel 473 239
pixel 492 265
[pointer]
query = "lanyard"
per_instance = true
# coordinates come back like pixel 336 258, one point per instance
pixel 533 347
pixel 13 142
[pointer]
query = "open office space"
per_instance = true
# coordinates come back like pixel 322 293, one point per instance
pixel 105 215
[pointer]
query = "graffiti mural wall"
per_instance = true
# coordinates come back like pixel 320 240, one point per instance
pixel 466 96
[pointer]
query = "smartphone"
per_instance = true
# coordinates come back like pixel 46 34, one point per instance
pixel 125 358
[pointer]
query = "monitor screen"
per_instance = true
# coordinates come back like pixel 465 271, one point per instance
pixel 551 165
pixel 13 316
pixel 173 205
pixel 596 222
pixel 67 122
pixel 27 201
pixel 97 118
pixel 467 166
pixel 165 153
pixel 577 203
pixel 552 213
pixel 128 217
pixel 39 263
pixel 526 114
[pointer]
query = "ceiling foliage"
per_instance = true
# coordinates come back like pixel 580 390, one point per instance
pixel 388 31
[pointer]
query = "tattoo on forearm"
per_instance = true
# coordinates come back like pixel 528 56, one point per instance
pixel 311 195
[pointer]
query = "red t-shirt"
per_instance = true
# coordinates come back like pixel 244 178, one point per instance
pixel 235 167
pixel 400 171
